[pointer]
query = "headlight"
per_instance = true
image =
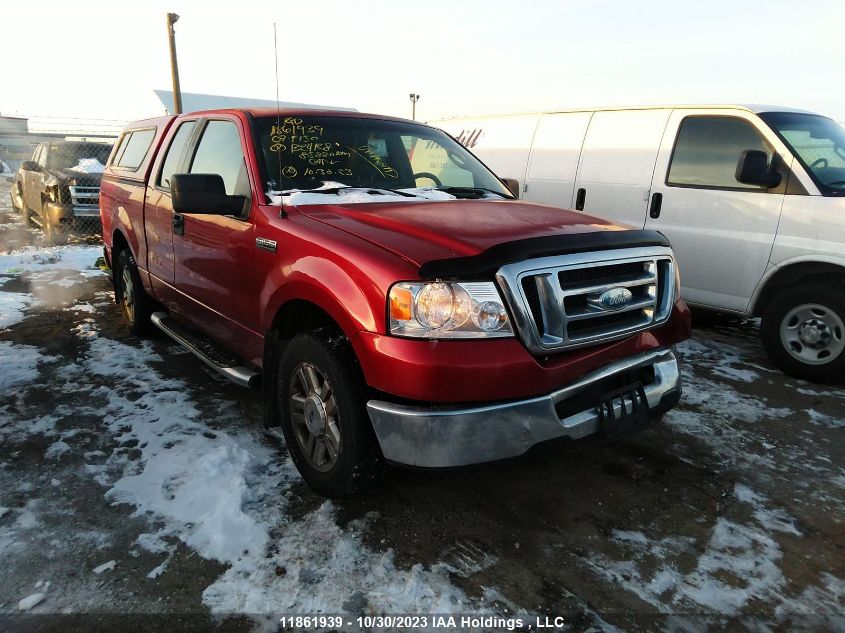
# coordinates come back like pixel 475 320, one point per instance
pixel 447 310
pixel 52 193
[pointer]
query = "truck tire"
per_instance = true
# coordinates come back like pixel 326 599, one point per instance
pixel 328 433
pixel 803 332
pixel 130 295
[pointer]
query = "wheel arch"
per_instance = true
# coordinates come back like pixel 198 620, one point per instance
pixel 792 273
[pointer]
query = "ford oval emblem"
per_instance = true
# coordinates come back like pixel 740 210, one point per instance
pixel 612 299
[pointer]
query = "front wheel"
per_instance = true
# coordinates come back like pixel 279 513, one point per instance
pixel 321 400
pixel 130 295
pixel 803 332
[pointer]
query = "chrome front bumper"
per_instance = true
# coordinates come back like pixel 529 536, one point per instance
pixel 445 437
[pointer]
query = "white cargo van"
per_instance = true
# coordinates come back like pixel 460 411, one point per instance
pixel 752 199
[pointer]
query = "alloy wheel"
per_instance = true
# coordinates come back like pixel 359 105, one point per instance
pixel 314 414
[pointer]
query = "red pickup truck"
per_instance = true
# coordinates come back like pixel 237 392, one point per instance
pixel 386 293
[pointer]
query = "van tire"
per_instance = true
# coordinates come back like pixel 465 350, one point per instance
pixel 138 307
pixel 816 306
pixel 332 469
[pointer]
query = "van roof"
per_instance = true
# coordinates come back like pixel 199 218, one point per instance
pixel 756 108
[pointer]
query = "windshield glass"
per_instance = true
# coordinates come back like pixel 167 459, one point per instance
pixel 310 152
pixel 818 142
pixel 70 155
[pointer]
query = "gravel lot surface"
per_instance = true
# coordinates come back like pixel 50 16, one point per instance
pixel 134 481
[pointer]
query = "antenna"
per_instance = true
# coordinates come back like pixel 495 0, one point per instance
pixel 278 121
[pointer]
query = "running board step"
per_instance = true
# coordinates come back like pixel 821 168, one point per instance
pixel 206 350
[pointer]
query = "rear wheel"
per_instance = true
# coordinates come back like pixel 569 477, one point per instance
pixel 803 332
pixel 130 295
pixel 323 412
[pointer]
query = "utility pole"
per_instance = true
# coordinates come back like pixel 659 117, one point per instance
pixel 174 66
pixel 414 99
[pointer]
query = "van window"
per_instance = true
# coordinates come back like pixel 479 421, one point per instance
pixel 132 151
pixel 427 156
pixel 220 152
pixel 707 151
pixel 819 144
pixel 174 153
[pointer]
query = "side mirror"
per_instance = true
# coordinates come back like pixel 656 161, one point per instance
pixel 513 185
pixel 203 193
pixel 30 165
pixel 753 169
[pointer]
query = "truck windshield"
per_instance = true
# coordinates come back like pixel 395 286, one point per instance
pixel 73 155
pixel 818 142
pixel 307 153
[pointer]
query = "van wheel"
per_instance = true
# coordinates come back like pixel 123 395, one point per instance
pixel 130 295
pixel 803 332
pixel 321 400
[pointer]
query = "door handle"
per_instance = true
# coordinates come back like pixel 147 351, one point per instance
pixel 580 199
pixel 178 224
pixel 656 205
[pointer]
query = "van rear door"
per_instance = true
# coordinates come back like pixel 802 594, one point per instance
pixel 722 231
pixel 617 164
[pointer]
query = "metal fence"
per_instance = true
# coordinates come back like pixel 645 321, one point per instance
pixel 55 165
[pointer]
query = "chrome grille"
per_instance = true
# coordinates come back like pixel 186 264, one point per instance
pixel 84 196
pixel 556 300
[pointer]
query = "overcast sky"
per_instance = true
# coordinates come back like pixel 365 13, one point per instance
pixel 103 60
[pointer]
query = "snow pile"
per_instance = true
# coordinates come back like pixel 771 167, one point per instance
pixel 89 166
pixel 30 601
pixel 109 566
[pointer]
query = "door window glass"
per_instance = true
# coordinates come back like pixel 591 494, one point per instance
pixel 708 149
pixel 174 153
pixel 220 152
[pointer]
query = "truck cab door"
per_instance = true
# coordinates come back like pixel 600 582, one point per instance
pixel 158 209
pixel 617 164
pixel 722 231
pixel 213 254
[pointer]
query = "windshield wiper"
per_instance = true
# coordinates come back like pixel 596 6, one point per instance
pixel 474 193
pixel 337 190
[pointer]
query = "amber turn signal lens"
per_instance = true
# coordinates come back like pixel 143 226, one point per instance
pixel 401 300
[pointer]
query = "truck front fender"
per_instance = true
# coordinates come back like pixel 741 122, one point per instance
pixel 346 297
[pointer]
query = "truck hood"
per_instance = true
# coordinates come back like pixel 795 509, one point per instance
pixel 424 231
pixel 90 178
